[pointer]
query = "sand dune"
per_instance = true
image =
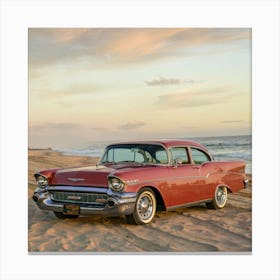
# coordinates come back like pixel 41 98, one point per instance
pixel 193 229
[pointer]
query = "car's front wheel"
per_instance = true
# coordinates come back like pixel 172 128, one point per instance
pixel 145 208
pixel 220 198
pixel 60 215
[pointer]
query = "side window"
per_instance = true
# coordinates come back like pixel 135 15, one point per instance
pixel 138 158
pixel 180 154
pixel 199 156
pixel 161 156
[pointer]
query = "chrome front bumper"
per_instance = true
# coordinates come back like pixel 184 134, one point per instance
pixel 117 204
pixel 246 183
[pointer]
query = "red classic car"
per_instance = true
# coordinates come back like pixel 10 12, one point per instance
pixel 137 178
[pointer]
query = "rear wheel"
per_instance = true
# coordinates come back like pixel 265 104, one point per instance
pixel 145 208
pixel 60 215
pixel 220 199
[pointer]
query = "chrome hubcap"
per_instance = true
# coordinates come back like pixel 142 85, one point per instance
pixel 221 195
pixel 145 207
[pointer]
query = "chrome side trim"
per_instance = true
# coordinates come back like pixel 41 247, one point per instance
pixel 172 208
pixel 183 177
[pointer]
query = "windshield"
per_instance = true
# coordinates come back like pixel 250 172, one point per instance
pixel 138 153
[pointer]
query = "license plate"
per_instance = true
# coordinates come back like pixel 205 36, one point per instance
pixel 71 209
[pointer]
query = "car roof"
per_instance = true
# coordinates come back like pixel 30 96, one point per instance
pixel 166 143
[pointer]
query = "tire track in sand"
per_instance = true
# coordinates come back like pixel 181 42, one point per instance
pixel 169 242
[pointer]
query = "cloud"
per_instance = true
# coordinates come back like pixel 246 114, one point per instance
pixel 132 125
pixel 196 97
pixel 81 88
pixel 190 127
pixel 99 128
pixel 72 89
pixel 54 127
pixel 100 46
pixel 161 81
pixel 233 121
pixel 57 35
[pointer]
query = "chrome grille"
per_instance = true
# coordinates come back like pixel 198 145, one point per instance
pixel 79 197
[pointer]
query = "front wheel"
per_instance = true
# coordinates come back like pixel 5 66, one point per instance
pixel 220 199
pixel 145 208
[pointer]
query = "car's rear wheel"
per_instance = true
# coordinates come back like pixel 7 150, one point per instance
pixel 145 208
pixel 60 215
pixel 220 198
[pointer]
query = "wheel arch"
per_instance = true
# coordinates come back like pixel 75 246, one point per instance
pixel 224 185
pixel 229 189
pixel 159 199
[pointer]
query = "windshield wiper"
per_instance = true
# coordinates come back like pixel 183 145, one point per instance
pixel 108 162
pixel 148 163
pixel 128 161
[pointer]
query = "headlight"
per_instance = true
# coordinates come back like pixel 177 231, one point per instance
pixel 115 184
pixel 41 180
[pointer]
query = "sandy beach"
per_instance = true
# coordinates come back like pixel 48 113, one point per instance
pixel 193 229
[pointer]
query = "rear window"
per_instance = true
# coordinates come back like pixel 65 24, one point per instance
pixel 180 155
pixel 199 156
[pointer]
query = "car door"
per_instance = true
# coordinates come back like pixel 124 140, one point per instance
pixel 203 188
pixel 184 177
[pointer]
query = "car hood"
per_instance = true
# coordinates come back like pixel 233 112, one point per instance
pixel 82 176
pixel 96 176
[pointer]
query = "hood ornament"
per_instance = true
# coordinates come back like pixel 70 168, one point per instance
pixel 76 179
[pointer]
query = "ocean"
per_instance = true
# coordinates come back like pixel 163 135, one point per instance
pixel 221 147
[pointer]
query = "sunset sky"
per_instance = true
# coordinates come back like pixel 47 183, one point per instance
pixel 108 84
